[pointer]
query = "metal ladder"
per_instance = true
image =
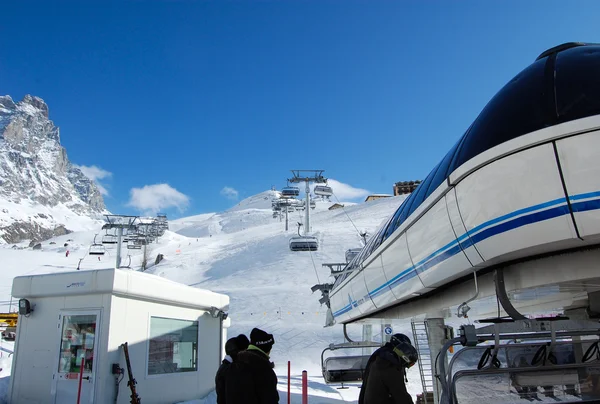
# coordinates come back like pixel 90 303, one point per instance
pixel 421 344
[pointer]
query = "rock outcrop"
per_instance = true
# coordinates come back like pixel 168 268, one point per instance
pixel 36 176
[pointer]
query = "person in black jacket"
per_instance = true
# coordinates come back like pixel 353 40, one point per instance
pixel 251 379
pixel 232 347
pixel 384 376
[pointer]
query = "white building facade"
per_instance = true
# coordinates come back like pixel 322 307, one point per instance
pixel 80 320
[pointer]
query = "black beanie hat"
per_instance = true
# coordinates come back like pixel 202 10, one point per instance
pixel 261 339
pixel 231 347
pixel 242 342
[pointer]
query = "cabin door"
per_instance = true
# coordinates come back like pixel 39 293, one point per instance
pixel 77 357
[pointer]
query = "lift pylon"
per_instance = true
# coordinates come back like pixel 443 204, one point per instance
pixel 306 242
pixel 119 222
pixel 307 176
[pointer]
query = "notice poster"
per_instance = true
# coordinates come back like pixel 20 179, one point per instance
pixel 65 362
pixel 88 342
pixel 80 355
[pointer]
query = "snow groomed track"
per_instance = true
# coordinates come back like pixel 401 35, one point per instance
pixel 522 181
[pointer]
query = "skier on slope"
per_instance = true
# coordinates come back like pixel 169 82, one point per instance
pixel 232 347
pixel 385 374
pixel 251 379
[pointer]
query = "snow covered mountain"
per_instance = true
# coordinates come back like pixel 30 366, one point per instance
pixel 41 193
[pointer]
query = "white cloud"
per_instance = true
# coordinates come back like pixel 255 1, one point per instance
pixel 95 174
pixel 345 191
pixel 154 198
pixel 103 191
pixel 230 193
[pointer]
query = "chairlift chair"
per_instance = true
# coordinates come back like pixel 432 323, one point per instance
pixel 132 245
pixel 302 205
pixel 323 190
pixel 109 239
pixel 345 369
pixel 304 243
pixel 128 262
pixel 351 253
pixel 290 192
pixel 96 248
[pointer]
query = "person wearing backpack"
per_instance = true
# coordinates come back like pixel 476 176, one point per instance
pixel 385 375
pixel 251 379
pixel 232 347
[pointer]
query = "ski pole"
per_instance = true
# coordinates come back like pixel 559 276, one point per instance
pixel 80 379
pixel 304 387
pixel 289 377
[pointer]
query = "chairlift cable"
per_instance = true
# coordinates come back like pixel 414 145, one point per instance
pixel 314 266
pixel 349 218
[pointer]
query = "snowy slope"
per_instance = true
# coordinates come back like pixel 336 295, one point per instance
pixel 259 201
pixel 244 253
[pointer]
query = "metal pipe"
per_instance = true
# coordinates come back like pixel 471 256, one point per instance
pixel 346 335
pixel 445 398
pixel 537 335
pixel 460 314
pixel 445 380
pixel 503 296
pixel 307 209
pixel 304 387
pixel 289 393
pixel 119 239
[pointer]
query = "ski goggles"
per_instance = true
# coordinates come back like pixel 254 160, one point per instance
pixel 408 362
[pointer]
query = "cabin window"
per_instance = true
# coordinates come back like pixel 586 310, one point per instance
pixel 394 222
pixel 577 83
pixel 420 193
pixel 442 169
pixel 520 107
pixel 173 346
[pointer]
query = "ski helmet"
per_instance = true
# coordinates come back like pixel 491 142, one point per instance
pixel 404 350
pixel 398 338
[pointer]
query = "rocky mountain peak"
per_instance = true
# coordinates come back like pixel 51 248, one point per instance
pixel 6 102
pixel 34 167
pixel 35 102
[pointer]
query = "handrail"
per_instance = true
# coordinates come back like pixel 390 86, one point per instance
pixel 470 339
pixel 8 351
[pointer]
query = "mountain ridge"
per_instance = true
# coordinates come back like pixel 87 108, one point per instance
pixel 40 189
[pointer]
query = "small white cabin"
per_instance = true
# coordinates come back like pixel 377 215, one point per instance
pixel 175 335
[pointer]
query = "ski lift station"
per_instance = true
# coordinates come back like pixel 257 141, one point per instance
pixel 72 327
pixel 503 234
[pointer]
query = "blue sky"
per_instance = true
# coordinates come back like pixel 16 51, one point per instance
pixel 220 99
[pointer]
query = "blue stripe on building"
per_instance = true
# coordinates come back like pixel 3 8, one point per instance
pixel 483 232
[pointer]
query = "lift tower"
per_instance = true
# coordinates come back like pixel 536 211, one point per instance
pixel 120 222
pixel 307 176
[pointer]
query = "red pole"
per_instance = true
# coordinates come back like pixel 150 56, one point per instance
pixel 80 379
pixel 289 378
pixel 304 387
